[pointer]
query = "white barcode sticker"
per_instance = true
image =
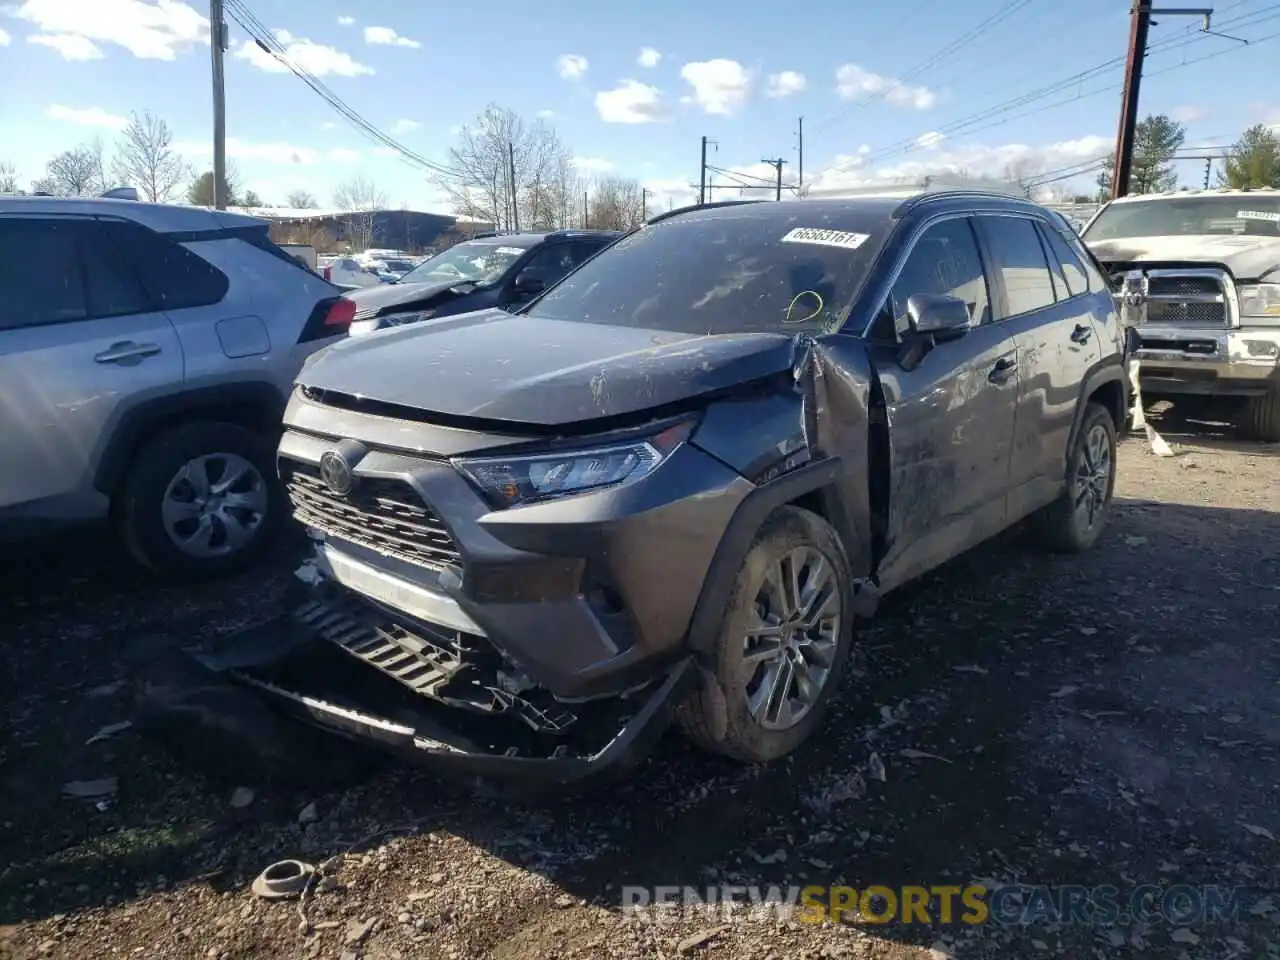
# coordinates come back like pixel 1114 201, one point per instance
pixel 826 238
pixel 1258 215
pixel 514 251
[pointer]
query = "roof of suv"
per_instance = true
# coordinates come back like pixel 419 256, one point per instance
pixel 162 217
pixel 889 207
pixel 533 239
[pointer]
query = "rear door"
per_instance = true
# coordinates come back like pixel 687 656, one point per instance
pixel 951 417
pixel 1041 304
pixel 79 337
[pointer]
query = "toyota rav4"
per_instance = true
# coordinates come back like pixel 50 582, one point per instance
pixel 668 486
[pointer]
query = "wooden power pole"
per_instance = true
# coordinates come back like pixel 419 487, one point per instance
pixel 218 46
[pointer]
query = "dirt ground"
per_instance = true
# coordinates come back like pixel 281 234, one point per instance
pixel 1016 717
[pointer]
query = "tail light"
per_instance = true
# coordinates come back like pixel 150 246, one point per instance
pixel 330 318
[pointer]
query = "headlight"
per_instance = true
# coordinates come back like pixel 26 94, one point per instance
pixel 510 481
pixel 1260 301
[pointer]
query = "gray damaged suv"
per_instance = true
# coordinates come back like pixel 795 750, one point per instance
pixel 146 355
pixel 669 485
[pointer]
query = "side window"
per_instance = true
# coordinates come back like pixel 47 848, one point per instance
pixel 1072 269
pixel 113 286
pixel 583 250
pixel 41 280
pixel 944 261
pixel 551 262
pixel 1019 259
pixel 1055 268
pixel 173 276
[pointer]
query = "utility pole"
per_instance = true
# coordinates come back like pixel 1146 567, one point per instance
pixel 218 46
pixel 1208 169
pixel 1140 23
pixel 702 175
pixel 644 204
pixel 515 194
pixel 584 209
pixel 800 171
pixel 777 165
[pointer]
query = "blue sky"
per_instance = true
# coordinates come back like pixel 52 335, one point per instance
pixel 741 73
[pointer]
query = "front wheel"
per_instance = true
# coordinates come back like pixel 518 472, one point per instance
pixel 1261 417
pixel 783 643
pixel 1073 522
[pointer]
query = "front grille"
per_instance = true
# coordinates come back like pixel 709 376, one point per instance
pixel 1184 286
pixel 384 515
pixel 1187 314
pixel 1168 297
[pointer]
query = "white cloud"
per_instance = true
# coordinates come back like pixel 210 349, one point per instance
pixel 854 170
pixel 391 152
pixel 785 84
pixel 277 153
pixel 152 31
pixel 346 21
pixel 316 58
pixel 1189 113
pixel 930 140
pixel 545 114
pixel 631 102
pixel 88 117
pixel 591 164
pixel 571 66
pixel 751 181
pixel 852 81
pixel 5 39
pixel 456 130
pixel 385 36
pixel 405 126
pixel 328 125
pixel 649 57
pixel 69 45
pixel 344 155
pixel 720 86
pixel 669 192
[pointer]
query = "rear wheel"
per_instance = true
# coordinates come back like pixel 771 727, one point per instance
pixel 1074 521
pixel 1260 418
pixel 783 643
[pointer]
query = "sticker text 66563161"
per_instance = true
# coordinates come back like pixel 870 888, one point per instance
pixel 1273 216
pixel 826 238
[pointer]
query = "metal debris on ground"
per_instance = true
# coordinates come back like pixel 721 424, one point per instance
pixel 242 797
pixel 283 880
pixel 911 754
pixel 875 766
pixel 90 789
pixel 1157 443
pixel 110 730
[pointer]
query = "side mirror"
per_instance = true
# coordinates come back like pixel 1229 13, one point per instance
pixel 945 318
pixel 528 285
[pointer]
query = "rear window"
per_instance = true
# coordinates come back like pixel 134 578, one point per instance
pixel 729 270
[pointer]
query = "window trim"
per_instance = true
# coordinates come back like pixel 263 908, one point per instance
pixel 995 278
pixel 1056 275
pixel 1047 239
pixel 78 220
pixel 912 241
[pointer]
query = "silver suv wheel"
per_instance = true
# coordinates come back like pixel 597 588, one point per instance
pixel 214 505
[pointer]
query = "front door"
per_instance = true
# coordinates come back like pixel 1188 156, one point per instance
pixel 1046 309
pixel 950 417
pixel 78 336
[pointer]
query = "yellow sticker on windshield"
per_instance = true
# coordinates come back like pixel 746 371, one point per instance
pixel 1258 215
pixel 826 238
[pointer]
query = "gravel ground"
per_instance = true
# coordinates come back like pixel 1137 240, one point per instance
pixel 1016 717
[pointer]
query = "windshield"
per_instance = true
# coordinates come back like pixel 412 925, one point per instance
pixel 477 261
pixel 1241 214
pixel 788 269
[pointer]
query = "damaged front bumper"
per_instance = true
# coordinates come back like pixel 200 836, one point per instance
pixel 1180 360
pixel 346 665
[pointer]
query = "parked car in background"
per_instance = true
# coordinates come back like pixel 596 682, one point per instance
pixel 391 268
pixel 501 271
pixel 672 482
pixel 146 355
pixel 303 253
pixel 349 273
pixel 1197 275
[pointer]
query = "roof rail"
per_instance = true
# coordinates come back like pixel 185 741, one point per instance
pixel 957 194
pixel 659 217
pixel 121 193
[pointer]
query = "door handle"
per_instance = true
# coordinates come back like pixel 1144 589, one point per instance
pixel 126 350
pixel 1002 370
pixel 1081 333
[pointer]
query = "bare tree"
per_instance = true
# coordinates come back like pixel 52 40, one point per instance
pixel 8 178
pixel 145 159
pixel 617 203
pixel 302 200
pixel 73 173
pixel 359 199
pixel 508 172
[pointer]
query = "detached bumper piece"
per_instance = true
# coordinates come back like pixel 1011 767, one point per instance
pixel 438 697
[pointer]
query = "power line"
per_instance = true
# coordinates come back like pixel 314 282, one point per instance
pixel 266 41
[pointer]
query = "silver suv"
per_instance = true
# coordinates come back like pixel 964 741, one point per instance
pixel 146 355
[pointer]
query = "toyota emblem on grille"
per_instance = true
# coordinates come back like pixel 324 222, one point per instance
pixel 336 473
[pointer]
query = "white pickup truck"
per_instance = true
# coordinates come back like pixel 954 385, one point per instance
pixel 1197 275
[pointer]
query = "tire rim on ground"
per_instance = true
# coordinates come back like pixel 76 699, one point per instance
pixel 1093 476
pixel 214 505
pixel 792 638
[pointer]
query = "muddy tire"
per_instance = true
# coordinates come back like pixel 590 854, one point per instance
pixel 1260 417
pixel 200 501
pixel 1073 522
pixel 786 635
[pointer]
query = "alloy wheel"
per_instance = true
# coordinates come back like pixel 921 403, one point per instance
pixel 215 505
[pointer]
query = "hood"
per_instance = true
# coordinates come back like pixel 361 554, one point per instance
pixel 394 297
pixel 492 365
pixel 1248 258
